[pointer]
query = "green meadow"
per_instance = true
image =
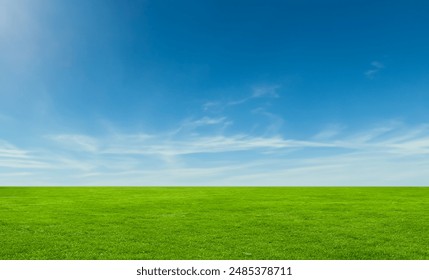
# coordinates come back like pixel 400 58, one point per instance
pixel 297 223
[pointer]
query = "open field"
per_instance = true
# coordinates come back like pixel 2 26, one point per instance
pixel 214 223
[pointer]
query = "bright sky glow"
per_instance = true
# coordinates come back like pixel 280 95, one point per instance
pixel 258 92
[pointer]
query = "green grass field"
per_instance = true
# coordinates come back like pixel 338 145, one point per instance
pixel 214 223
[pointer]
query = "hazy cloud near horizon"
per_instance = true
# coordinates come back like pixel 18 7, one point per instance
pixel 392 154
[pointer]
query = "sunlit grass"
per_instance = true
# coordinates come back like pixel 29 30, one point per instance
pixel 214 223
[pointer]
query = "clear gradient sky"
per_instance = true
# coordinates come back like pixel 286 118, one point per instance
pixel 214 92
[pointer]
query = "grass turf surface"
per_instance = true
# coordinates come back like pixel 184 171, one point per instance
pixel 214 223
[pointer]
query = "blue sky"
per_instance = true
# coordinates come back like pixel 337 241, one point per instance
pixel 214 92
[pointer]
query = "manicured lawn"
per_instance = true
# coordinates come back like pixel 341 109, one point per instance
pixel 214 223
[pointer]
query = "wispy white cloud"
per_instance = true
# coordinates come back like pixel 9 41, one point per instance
pixel 329 132
pixel 389 154
pixel 376 67
pixel 211 106
pixel 10 151
pixel 275 121
pixel 377 64
pixel 256 105
pixel 13 158
pixel 192 125
pixel 79 142
pixel 266 91
pixel 256 92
